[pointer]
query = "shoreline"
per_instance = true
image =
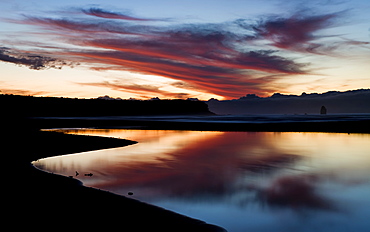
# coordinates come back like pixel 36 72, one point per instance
pixel 66 202
pixel 42 196
pixel 336 126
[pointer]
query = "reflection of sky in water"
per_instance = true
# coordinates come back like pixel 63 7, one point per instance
pixel 242 181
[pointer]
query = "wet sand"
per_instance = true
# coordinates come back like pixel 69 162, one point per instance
pixel 47 201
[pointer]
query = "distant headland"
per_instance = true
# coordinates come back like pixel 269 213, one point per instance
pixel 352 101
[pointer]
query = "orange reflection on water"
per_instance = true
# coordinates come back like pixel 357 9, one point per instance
pixel 329 151
pixel 173 163
pixel 201 173
pixel 155 148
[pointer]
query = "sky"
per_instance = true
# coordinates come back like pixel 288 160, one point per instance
pixel 191 49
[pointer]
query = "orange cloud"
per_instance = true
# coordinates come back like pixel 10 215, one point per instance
pixel 146 91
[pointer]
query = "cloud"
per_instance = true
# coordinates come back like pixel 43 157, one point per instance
pixel 126 87
pixel 224 79
pixel 98 12
pixel 299 32
pixel 22 92
pixel 296 32
pixel 145 90
pixel 218 58
pixel 75 28
pixel 32 61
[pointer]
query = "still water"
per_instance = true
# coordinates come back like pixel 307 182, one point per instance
pixel 242 181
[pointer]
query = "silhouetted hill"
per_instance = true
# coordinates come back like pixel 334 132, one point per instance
pixel 352 101
pixel 50 106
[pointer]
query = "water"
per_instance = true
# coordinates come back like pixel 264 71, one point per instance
pixel 242 181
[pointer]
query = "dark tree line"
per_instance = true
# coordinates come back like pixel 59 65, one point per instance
pixel 65 107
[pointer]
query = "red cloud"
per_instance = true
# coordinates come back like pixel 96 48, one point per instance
pixel 209 78
pixel 294 33
pixel 205 56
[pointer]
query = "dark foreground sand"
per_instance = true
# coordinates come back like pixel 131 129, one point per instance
pixel 45 201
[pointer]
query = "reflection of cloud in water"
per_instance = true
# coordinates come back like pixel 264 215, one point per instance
pixel 208 166
pixel 295 192
pixel 278 170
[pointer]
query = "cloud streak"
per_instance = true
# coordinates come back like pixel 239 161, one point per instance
pixel 214 58
pixel 98 12
pixel 295 32
pixel 139 89
pixel 32 61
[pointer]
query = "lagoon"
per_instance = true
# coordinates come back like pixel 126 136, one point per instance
pixel 242 181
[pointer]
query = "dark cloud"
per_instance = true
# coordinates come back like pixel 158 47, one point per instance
pixel 296 32
pixel 332 48
pixel 299 32
pixel 32 61
pixel 98 12
pixel 89 29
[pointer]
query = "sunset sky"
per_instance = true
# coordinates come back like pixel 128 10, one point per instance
pixel 179 49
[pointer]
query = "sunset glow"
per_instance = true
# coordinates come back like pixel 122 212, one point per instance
pixel 202 50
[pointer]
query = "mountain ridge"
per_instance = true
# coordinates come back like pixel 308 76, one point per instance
pixel 351 101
